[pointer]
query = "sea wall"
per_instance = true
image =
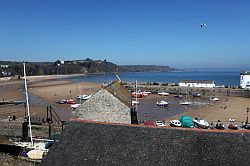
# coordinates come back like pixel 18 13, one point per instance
pixel 203 91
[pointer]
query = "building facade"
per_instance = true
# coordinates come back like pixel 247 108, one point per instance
pixel 197 83
pixel 245 80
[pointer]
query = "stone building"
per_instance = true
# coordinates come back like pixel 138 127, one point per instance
pixel 110 104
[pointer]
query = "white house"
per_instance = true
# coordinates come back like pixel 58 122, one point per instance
pixel 245 80
pixel 197 83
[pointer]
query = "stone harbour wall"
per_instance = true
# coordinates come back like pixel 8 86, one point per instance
pixel 203 91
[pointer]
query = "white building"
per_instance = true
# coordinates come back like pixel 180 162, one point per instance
pixel 245 80
pixel 197 83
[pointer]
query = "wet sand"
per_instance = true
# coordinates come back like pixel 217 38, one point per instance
pixel 223 110
pixel 45 92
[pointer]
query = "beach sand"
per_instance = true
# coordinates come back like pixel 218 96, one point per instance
pixel 47 91
pixel 43 92
pixel 227 107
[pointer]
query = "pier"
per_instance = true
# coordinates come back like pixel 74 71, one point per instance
pixel 236 92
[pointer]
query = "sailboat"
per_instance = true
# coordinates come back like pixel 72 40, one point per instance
pixel 187 101
pixel 36 147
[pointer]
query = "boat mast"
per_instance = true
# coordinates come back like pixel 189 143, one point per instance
pixel 136 95
pixel 27 102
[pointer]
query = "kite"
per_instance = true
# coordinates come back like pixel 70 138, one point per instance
pixel 203 25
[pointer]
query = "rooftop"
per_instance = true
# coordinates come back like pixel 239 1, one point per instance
pixel 88 143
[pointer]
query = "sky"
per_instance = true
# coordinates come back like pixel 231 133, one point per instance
pixel 150 32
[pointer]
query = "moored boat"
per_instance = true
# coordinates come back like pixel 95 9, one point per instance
pixel 214 99
pixel 175 123
pixel 201 123
pixel 134 102
pixel 159 123
pixel 163 93
pixel 83 97
pixel 162 103
pixel 186 103
pixel 75 106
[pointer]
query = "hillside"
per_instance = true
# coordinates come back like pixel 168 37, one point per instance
pixel 87 66
pixel 145 68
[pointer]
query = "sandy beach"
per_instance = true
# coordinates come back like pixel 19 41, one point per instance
pixel 45 91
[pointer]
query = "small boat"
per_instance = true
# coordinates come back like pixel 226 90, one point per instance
pixel 135 102
pixel 175 123
pixel 162 103
pixel 219 126
pixel 148 123
pixel 70 101
pixel 83 97
pixel 136 95
pixel 186 103
pixel 147 92
pixel 75 106
pixel 35 154
pixel 178 96
pixel 163 93
pixel 214 99
pixel 196 95
pixel 233 126
pixel 201 123
pixel 246 125
pixel 62 101
pixel 159 123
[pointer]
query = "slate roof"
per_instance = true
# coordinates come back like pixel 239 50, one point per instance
pixel 88 143
pixel 120 92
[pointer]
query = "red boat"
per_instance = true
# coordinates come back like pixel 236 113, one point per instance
pixel 71 101
pixel 136 95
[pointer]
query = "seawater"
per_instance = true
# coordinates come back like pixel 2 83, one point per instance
pixel 227 78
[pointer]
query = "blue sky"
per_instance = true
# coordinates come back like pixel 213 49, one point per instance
pixel 160 32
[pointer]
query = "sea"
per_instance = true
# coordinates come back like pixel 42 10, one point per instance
pixel 220 77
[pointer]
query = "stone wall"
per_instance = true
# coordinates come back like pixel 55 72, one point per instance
pixel 20 129
pixel 203 91
pixel 104 107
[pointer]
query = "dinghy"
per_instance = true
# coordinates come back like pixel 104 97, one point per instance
pixel 175 123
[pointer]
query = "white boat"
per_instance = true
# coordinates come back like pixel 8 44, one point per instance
pixel 159 123
pixel 75 106
pixel 187 101
pixel 146 93
pixel 214 99
pixel 162 103
pixel 201 123
pixel 175 123
pixel 83 97
pixel 35 154
pixel 163 93
pixel 134 102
